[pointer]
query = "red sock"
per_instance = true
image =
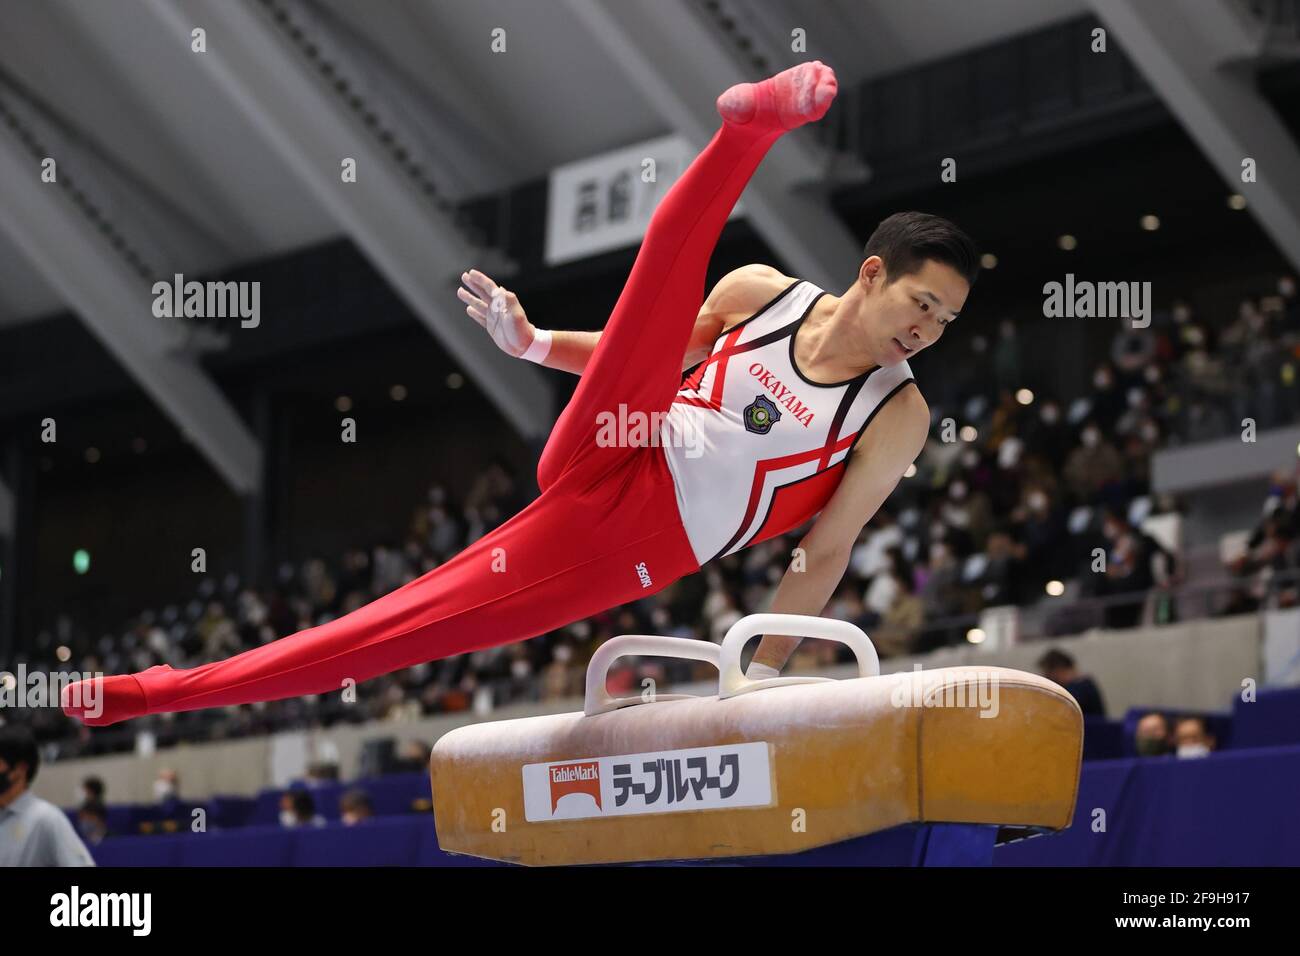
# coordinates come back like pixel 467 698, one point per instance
pixel 783 102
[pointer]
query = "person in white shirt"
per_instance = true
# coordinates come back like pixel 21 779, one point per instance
pixel 33 832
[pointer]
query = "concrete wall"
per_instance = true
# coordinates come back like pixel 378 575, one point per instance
pixel 1195 666
pixel 1224 462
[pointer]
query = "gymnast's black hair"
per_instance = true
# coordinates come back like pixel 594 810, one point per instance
pixel 906 240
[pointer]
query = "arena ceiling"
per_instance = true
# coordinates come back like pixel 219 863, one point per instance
pixel 120 77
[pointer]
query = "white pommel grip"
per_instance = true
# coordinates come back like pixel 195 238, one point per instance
pixel 759 671
pixel 540 348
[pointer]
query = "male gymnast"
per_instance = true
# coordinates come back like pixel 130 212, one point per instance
pixel 801 404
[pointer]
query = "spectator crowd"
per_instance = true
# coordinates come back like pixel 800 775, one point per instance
pixel 1007 505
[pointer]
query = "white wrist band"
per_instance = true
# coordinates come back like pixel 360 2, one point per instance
pixel 757 671
pixel 540 348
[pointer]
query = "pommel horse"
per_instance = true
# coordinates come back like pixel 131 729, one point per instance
pixel 762 768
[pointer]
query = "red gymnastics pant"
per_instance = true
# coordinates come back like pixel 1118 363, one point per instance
pixel 604 512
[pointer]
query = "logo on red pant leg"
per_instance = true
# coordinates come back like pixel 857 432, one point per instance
pixel 567 778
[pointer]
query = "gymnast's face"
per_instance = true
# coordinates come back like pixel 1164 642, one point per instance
pixel 909 313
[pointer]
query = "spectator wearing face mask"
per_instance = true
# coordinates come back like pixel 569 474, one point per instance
pixel 1049 436
pixel 33 832
pixel 1058 666
pixel 1039 524
pixel 1267 548
pixel 967 513
pixel 1271 545
pixel 444 534
pixel 871 555
pixel 1003 579
pixel 559 677
pixel 411 756
pixel 1093 465
pixel 521 682
pixel 1192 739
pixel 721 611
pixel 1004 483
pixel 1131 351
pixel 355 807
pixel 1130 568
pixel 166 788
pixel 882 590
pixel 940 596
pixel 92 823
pixel 1107 397
pixel 1151 739
pixel 1004 422
pixel 1249 326
pixel 298 809
pixel 1189 333
pixel 901 621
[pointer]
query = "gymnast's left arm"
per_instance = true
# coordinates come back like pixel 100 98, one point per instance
pixel 886 449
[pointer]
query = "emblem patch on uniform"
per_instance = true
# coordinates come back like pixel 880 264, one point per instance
pixel 760 415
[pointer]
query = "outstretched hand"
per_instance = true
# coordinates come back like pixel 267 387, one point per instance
pixel 496 310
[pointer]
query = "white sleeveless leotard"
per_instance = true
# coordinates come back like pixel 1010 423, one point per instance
pixel 754 447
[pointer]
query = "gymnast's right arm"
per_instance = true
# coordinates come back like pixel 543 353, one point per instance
pixel 737 295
